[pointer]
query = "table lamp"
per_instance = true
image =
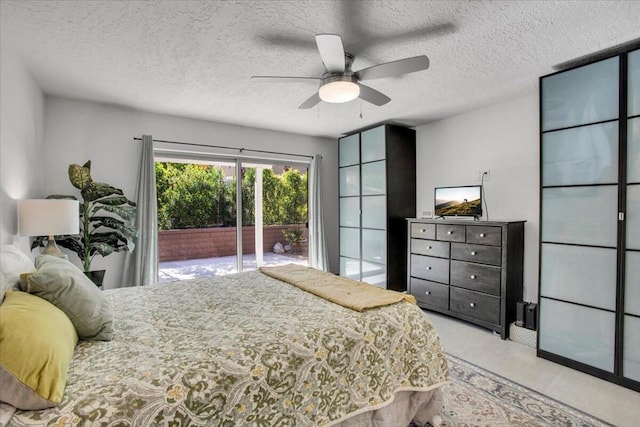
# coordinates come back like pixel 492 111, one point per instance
pixel 48 217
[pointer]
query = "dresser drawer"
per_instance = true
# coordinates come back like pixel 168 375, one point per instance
pixel 430 268
pixel 430 247
pixel 475 304
pixel 484 235
pixel 450 233
pixel 478 277
pixel 477 253
pixel 430 294
pixel 423 231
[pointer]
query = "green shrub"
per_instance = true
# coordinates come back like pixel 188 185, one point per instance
pixel 200 196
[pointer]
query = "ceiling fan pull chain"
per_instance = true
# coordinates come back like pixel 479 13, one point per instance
pixel 360 107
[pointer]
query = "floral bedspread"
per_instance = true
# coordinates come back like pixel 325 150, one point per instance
pixel 243 349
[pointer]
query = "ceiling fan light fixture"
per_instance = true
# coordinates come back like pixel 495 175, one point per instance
pixel 339 91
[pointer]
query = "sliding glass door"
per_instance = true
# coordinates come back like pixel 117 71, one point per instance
pixel 196 217
pixel 274 214
pixel 201 233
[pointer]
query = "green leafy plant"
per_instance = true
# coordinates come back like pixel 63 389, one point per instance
pixel 201 196
pixel 106 219
pixel 293 235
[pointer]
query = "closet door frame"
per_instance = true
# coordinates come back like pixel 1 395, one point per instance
pixel 617 375
pixel 357 197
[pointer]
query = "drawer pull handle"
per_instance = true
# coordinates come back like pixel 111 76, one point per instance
pixel 428 268
pixel 429 247
pixel 422 230
pixel 473 252
pixel 482 234
pixel 473 276
pixel 449 232
pixel 427 293
pixel 473 304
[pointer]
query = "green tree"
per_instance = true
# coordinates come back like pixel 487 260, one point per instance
pixel 248 199
pixel 294 197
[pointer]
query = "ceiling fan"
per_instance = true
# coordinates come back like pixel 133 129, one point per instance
pixel 340 84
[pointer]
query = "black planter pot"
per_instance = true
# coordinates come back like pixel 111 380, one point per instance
pixel 96 276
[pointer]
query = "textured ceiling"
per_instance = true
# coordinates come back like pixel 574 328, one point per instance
pixel 195 59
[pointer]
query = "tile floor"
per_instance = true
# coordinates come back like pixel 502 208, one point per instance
pixel 609 402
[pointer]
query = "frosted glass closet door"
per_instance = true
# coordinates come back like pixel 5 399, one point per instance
pixel 374 212
pixel 350 181
pixel 350 252
pixel 584 95
pixel 633 185
pixel 631 351
pixel 633 84
pixel 373 178
pixel 579 274
pixel 579 213
pixel 350 150
pixel 584 155
pixel 578 333
pixel 631 338
pixel 373 145
pixel 374 255
pixel 349 212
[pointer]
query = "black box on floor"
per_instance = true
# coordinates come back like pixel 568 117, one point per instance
pixel 531 315
pixel 521 308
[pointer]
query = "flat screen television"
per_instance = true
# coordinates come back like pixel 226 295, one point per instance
pixel 458 201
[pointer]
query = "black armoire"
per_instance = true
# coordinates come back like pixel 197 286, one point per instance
pixel 377 169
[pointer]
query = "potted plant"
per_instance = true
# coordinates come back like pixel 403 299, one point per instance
pixel 295 237
pixel 106 221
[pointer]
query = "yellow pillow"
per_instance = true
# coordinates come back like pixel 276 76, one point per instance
pixel 36 346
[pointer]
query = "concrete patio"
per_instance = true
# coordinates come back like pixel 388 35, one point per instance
pixel 171 271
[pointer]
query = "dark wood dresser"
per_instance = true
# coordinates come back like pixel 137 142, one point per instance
pixel 471 270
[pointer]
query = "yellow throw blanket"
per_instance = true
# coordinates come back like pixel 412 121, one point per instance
pixel 348 293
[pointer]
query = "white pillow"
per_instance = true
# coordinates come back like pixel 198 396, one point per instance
pixel 4 287
pixel 13 262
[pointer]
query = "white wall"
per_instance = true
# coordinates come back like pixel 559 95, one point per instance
pixel 77 131
pixel 21 130
pixel 502 138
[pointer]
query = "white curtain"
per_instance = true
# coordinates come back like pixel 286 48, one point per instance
pixel 143 268
pixel 317 244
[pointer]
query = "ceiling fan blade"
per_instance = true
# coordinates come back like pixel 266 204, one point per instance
pixel 331 51
pixel 373 96
pixel 313 100
pixel 293 42
pixel 287 79
pixel 393 68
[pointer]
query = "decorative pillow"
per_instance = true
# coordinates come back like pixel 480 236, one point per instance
pixel 13 263
pixel 36 346
pixel 65 286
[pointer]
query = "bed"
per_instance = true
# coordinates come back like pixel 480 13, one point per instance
pixel 248 349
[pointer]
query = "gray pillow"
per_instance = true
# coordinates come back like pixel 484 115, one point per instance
pixel 65 286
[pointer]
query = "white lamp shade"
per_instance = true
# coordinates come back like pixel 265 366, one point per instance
pixel 339 91
pixel 48 217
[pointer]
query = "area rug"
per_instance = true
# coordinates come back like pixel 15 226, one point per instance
pixel 476 397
